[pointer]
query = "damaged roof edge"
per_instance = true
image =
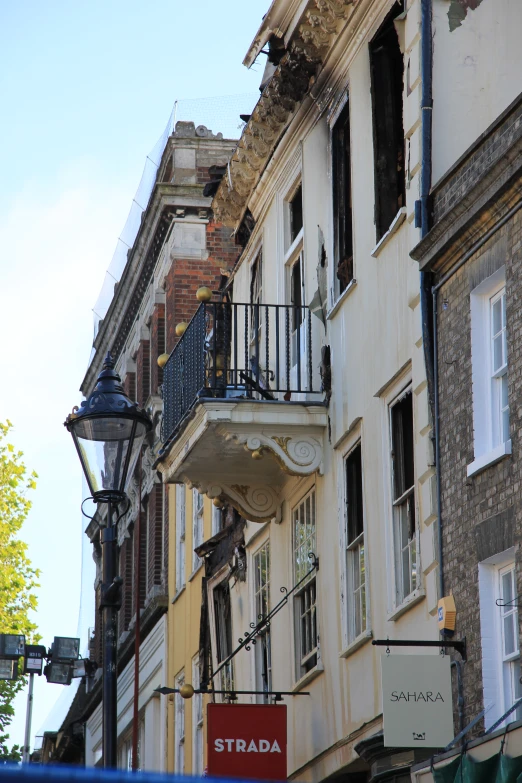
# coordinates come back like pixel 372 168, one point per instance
pixel 276 21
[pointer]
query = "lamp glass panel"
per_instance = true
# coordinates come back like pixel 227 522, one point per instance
pixel 60 673
pixel 103 446
pixel 66 648
pixel 13 644
pixel 8 670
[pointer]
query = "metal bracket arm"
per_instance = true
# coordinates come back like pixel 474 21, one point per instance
pixel 459 646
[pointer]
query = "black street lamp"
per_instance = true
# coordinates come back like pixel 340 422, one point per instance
pixel 108 430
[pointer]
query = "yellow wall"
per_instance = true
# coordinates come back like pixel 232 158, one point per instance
pixel 183 619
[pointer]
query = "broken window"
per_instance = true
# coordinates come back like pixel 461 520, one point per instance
pixel 387 71
pixel 342 197
pixel 404 523
pixel 223 621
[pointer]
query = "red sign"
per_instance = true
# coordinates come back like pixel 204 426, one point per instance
pixel 247 741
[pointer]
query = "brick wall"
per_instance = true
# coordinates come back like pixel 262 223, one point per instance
pixel 187 275
pixel 481 515
pixel 129 385
pixel 485 155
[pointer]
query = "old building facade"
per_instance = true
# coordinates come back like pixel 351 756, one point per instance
pixel 174 252
pixel 306 416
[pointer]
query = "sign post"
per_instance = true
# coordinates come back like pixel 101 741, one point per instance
pixel 416 701
pixel 247 741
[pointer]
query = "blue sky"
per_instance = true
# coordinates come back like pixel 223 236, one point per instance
pixel 86 90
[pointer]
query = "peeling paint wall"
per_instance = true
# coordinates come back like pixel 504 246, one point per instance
pixel 458 10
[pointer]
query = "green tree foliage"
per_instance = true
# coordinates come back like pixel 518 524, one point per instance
pixel 17 577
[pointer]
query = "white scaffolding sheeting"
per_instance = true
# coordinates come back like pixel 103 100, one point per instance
pixel 221 115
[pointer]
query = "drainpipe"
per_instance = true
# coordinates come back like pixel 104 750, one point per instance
pixel 423 221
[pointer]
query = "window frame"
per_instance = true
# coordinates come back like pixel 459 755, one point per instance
pixel 351 548
pixel 198 536
pixel 227 676
pixel 341 167
pixel 488 444
pixel 398 502
pixel 198 738
pixel 385 105
pixel 181 517
pixel 264 637
pixel 500 672
pixel 305 603
pixel 179 726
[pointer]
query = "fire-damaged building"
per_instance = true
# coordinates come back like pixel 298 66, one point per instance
pixel 326 341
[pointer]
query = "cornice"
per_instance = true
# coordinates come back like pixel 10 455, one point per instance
pixel 129 291
pixel 306 52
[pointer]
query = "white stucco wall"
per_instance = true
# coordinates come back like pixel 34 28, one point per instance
pixel 476 75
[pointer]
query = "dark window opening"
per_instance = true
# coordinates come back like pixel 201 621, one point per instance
pixel 342 196
pixel 387 73
pixel 354 499
pixel 223 618
pixel 296 213
pixel 296 291
pixel 402 445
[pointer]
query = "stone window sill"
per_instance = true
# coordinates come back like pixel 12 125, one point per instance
pixel 196 570
pixel 308 677
pixel 396 223
pixel 361 640
pixel 178 594
pixel 485 460
pixel 345 294
pixel 409 602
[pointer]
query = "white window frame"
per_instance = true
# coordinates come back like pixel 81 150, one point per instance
pixel 198 511
pixel 305 603
pixel 396 390
pixel 217 519
pixel 351 640
pixel 261 601
pixel 500 671
pixel 489 444
pixel 180 536
pixel 409 496
pixel 197 722
pixel 179 726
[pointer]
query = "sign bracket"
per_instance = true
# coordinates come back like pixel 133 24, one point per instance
pixel 233 694
pixel 458 645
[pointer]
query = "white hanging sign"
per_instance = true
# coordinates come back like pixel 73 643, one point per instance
pixel 416 701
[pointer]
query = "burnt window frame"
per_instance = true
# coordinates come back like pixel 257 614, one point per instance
pixel 222 637
pixel 342 200
pixel 386 59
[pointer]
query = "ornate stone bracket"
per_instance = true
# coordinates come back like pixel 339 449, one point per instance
pixel 256 503
pixel 297 455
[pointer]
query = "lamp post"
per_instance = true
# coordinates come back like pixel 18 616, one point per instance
pixel 108 430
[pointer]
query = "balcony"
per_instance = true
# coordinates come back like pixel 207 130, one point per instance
pixel 242 404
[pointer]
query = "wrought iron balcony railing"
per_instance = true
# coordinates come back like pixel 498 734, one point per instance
pixel 232 350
